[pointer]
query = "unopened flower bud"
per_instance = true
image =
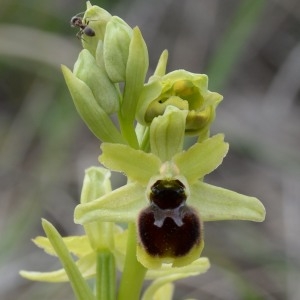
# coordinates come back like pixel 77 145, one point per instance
pixel 96 18
pixel 116 48
pixel 104 91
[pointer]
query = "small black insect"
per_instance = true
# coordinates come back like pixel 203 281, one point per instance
pixel 168 227
pixel 77 21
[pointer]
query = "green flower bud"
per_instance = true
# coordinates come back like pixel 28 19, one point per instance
pixel 184 90
pixel 96 184
pixel 104 91
pixel 89 109
pixel 96 18
pixel 136 70
pixel 116 48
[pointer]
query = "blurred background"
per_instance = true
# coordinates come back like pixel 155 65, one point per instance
pixel 251 51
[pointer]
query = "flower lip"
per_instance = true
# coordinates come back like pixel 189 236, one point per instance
pixel 168 228
pixel 168 194
pixel 176 234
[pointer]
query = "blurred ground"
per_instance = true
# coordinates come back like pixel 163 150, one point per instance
pixel 251 51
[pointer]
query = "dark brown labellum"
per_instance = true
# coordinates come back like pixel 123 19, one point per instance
pixel 169 239
pixel 169 227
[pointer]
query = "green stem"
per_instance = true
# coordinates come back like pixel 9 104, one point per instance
pixel 106 276
pixel 145 143
pixel 134 272
pixel 128 131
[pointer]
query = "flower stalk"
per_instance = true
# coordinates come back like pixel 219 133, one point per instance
pixel 134 272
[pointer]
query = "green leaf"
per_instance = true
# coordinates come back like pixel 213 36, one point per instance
pixel 79 285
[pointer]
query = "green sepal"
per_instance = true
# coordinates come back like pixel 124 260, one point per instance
pixel 216 204
pixel 121 205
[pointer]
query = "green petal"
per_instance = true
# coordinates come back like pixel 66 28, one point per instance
pixel 121 205
pixel 136 164
pixel 215 204
pixel 201 158
pixel 167 133
pixel 86 265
